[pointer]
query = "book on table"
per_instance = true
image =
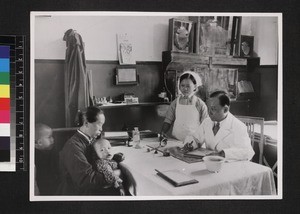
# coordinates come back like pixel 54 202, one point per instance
pixel 199 153
pixel 176 177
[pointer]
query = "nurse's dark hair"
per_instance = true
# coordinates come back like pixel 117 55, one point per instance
pixel 223 97
pixel 89 114
pixel 187 76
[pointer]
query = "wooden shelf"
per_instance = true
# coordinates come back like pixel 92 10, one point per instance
pixel 122 105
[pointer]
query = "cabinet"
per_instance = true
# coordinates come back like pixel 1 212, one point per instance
pixel 174 63
pixel 213 69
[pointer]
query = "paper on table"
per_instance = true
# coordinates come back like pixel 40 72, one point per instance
pixel 115 134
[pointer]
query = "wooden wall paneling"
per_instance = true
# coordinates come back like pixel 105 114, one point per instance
pixel 49 91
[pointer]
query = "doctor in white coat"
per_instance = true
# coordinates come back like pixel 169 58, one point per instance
pixel 221 131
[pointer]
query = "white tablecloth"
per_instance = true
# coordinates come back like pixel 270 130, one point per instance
pixel 235 178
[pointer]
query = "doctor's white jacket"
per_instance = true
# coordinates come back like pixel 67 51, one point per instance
pixel 232 138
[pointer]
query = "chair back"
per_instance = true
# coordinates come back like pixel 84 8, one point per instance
pixel 62 135
pixel 255 128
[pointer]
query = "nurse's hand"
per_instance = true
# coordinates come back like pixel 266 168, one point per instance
pixel 162 137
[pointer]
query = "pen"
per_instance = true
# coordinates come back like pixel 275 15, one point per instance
pixel 158 171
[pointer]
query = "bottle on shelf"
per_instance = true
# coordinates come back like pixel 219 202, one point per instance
pixel 136 138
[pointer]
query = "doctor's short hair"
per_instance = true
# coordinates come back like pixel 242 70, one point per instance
pixel 223 97
pixel 89 114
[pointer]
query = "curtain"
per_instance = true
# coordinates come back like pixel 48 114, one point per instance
pixel 78 87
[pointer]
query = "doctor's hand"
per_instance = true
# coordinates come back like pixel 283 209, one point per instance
pixel 189 143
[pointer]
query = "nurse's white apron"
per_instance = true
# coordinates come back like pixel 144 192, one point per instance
pixel 186 121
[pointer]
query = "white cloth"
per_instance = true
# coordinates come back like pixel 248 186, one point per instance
pixel 235 177
pixel 232 138
pixel 186 120
pixel 196 77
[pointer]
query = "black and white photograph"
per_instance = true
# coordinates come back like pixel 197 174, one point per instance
pixel 132 119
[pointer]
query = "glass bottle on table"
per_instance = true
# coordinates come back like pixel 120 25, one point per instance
pixel 136 138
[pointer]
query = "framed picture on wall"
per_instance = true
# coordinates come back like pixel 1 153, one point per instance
pixel 180 35
pixel 126 75
pixel 246 47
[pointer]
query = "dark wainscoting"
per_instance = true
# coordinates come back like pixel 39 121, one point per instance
pixel 49 94
pixel 265 105
pixel 49 86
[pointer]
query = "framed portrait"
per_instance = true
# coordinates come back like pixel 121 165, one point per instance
pixel 246 46
pixel 126 75
pixel 180 35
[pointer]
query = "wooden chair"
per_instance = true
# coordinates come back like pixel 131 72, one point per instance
pixel 62 135
pixel 255 137
pixel 270 155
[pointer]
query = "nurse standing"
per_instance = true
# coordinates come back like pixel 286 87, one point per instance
pixel 187 111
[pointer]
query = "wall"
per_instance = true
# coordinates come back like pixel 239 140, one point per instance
pixel 49 87
pixel 49 93
pixel 265 32
pixel 149 36
pixel 150 80
pixel 265 105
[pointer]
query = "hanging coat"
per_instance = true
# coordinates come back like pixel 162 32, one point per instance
pixel 78 87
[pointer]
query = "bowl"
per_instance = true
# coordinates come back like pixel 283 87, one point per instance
pixel 213 163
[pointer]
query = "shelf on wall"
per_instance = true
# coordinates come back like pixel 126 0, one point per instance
pixel 119 105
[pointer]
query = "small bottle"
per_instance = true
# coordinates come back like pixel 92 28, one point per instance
pixel 136 137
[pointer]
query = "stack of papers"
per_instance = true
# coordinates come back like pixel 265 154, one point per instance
pixel 116 135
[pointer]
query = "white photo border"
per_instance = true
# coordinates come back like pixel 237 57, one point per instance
pixel 32 197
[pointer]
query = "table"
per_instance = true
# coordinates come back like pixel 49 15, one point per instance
pixel 235 178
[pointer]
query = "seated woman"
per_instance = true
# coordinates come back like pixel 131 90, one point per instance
pixel 106 164
pixel 186 112
pixel 77 176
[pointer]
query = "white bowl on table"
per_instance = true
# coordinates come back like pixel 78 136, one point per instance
pixel 213 163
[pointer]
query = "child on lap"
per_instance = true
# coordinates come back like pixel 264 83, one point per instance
pixel 106 164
